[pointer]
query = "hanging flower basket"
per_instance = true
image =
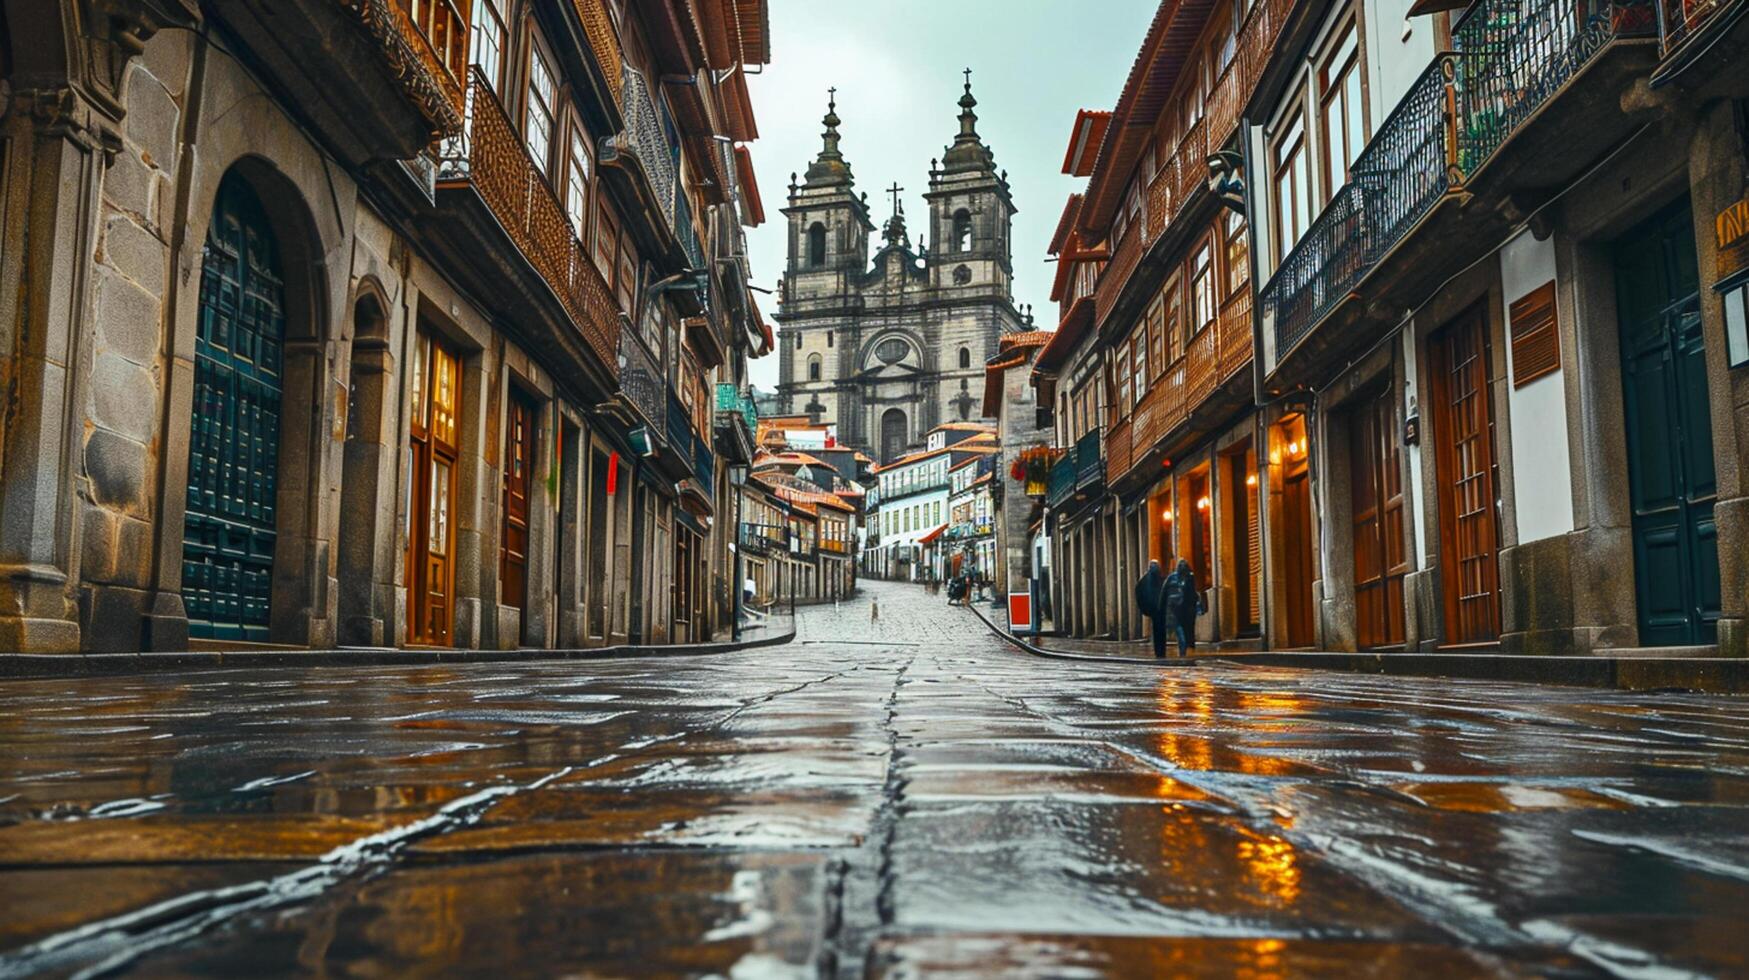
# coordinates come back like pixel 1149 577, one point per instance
pixel 1033 468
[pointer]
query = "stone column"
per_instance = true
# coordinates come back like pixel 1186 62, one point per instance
pixel 53 148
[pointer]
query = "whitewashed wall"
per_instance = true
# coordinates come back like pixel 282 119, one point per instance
pixel 1541 463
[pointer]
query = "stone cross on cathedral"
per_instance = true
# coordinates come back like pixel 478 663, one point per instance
pixel 896 190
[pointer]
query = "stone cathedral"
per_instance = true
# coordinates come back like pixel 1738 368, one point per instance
pixel 889 346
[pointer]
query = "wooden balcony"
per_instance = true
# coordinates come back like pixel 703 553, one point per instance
pixel 1117 450
pixel 502 226
pixel 1235 334
pixel 1117 273
pixel 1199 391
pixel 376 80
pixel 604 42
pixel 1162 194
pixel 1226 100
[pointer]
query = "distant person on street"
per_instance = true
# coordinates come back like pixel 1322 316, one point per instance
pixel 874 610
pixel 1183 603
pixel 1149 596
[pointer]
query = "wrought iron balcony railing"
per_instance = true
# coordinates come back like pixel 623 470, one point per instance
pixel 644 129
pixel 641 381
pixel 679 427
pixel 436 32
pixel 731 399
pixel 761 538
pixel 489 156
pixel 1680 20
pixel 1396 180
pixel 1062 479
pixel 1510 57
pixel 1090 462
pixel 704 464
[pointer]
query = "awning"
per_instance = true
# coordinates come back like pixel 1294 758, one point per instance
pixel 932 536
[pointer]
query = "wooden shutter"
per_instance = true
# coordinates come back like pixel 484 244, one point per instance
pixel 1536 339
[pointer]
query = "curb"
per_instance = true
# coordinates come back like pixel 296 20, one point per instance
pixel 1706 675
pixel 30 666
pixel 1039 651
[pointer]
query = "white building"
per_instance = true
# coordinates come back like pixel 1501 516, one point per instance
pixel 913 492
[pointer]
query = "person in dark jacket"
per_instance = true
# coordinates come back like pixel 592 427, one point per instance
pixel 1180 603
pixel 1150 601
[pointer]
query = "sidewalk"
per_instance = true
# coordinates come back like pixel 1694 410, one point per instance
pixel 1711 675
pixel 779 629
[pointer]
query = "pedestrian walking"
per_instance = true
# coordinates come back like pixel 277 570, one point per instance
pixel 1149 589
pixel 874 610
pixel 1182 601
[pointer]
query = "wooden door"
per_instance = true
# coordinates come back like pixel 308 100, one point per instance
pixel 1462 376
pixel 1376 485
pixel 229 528
pixel 1247 541
pixel 1670 446
pixel 1197 513
pixel 518 465
pixel 1296 551
pixel 433 451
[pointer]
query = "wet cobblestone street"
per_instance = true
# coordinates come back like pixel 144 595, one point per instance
pixel 902 798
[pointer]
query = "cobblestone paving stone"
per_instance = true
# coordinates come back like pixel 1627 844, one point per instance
pixel 898 798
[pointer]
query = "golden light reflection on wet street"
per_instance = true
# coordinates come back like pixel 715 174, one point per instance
pixel 924 800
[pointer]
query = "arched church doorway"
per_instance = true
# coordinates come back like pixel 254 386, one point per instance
pixel 230 528
pixel 894 434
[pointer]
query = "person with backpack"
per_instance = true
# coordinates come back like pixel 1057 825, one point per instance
pixel 1182 602
pixel 1149 600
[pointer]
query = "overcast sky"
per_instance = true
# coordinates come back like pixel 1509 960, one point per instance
pixel 897 66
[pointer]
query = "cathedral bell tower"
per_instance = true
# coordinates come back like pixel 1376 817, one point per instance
pixel 971 213
pixel 829 230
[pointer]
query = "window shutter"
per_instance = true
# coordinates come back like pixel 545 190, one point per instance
pixel 1536 339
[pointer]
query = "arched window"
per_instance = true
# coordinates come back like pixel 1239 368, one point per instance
pixel 813 367
pixel 965 358
pixel 817 245
pixel 962 230
pixel 893 434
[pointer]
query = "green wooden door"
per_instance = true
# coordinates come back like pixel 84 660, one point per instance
pixel 1670 445
pixel 233 452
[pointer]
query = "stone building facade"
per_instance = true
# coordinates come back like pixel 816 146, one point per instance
pixel 1401 351
pixel 891 345
pixel 401 338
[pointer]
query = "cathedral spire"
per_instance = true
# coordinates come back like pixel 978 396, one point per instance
pixel 829 168
pixel 968 151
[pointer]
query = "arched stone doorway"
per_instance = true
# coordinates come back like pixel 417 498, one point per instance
pixel 230 531
pixel 255 563
pixel 365 580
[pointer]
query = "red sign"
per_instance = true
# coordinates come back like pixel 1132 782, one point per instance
pixel 612 473
pixel 1019 612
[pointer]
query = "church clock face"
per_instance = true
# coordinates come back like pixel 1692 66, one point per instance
pixel 962 275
